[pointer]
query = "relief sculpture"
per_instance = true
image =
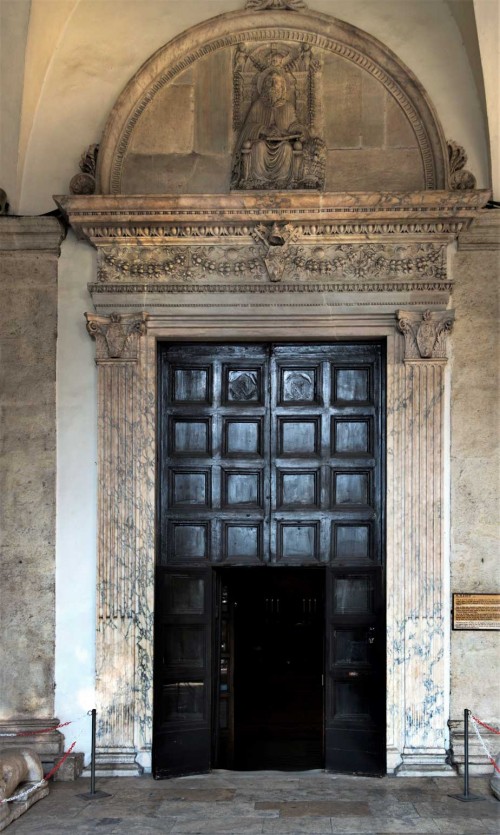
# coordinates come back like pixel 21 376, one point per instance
pixel 274 117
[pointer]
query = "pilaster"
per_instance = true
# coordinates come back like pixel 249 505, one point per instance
pixel 29 249
pixel 117 352
pixel 425 623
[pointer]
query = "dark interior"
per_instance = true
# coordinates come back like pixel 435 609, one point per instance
pixel 278 639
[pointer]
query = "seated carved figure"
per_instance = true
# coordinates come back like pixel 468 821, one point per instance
pixel 269 152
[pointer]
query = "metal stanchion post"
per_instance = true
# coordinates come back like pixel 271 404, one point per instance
pixel 92 794
pixel 466 797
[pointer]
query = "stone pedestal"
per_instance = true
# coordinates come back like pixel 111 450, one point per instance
pixel 29 248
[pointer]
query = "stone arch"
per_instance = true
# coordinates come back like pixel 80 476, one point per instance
pixel 333 37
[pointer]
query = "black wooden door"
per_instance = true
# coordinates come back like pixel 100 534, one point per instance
pixel 272 455
pixel 183 674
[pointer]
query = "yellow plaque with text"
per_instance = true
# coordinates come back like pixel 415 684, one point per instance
pixel 476 611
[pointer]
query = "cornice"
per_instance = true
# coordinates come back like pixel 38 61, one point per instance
pixel 483 233
pixel 347 216
pixel 30 233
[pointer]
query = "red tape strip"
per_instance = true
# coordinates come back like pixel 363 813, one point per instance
pixel 42 730
pixel 484 725
pixel 59 764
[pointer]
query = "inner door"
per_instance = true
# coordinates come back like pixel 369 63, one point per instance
pixel 271 456
pixel 270 689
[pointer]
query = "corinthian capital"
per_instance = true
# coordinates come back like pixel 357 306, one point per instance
pixel 116 336
pixel 425 333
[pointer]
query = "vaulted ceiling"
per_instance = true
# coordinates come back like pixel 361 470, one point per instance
pixel 64 63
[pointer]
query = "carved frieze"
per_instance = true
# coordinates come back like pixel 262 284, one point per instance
pixel 275 105
pixel 276 254
pixel 425 333
pixel 116 335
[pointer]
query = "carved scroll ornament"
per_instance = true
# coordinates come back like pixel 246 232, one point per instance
pixel 460 178
pixel 85 183
pixel 116 335
pixel 425 333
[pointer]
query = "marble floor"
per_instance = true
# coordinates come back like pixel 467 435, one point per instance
pixel 267 803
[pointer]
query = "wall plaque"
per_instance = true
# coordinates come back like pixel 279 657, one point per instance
pixel 476 611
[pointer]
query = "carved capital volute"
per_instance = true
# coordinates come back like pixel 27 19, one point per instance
pixel 425 333
pixel 117 336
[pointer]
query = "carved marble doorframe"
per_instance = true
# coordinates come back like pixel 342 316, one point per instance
pixel 411 315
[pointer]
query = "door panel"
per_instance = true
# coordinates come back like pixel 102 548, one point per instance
pixel 182 693
pixel 214 459
pixel 272 455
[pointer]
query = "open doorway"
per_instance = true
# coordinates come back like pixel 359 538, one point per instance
pixel 270 675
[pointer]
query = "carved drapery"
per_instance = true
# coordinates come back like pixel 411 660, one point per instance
pixel 275 104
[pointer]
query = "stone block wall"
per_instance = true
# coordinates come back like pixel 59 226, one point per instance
pixel 29 248
pixel 475 474
pixel 184 144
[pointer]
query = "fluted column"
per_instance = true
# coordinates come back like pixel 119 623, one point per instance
pixel 119 483
pixel 424 627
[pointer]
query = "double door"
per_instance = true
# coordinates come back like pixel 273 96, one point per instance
pixel 270 458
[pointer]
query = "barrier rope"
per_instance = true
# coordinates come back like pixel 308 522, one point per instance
pixel 27 792
pixel 44 730
pixel 476 722
pixel 488 727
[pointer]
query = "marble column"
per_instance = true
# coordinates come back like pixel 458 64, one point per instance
pixel 29 251
pixel 119 584
pixel 424 626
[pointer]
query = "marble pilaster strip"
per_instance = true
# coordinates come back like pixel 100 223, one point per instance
pixel 145 463
pixel 424 627
pixel 117 341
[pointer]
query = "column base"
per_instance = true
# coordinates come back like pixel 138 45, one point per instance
pixel 393 760
pixel 479 764
pixel 115 762
pixel 49 746
pixel 425 763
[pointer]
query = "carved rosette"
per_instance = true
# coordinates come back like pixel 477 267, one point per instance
pixel 425 334
pixel 116 335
